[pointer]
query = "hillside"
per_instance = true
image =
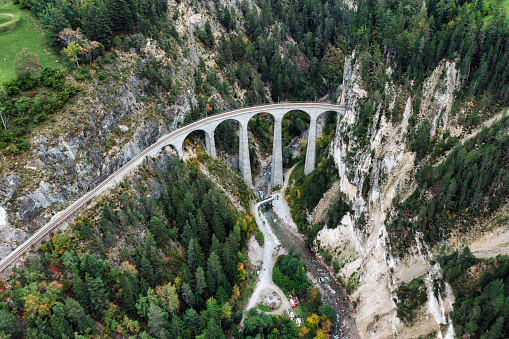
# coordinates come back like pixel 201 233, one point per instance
pixel 413 172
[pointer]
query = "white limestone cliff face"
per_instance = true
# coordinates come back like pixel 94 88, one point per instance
pixel 388 163
pixel 438 95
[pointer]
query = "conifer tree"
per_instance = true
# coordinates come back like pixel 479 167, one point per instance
pixel 60 327
pixel 96 24
pixel 156 319
pixel 203 230
pixel 54 21
pixel 159 230
pixel 214 267
pixel 194 255
pixel 120 15
pixel 191 319
pixel 201 284
pixel 10 325
pixel 218 227
pixel 187 234
pixel 146 271
pixel 130 292
pixel 97 295
pixel 187 294
pixel 229 262
pixel 185 274
pixel 216 245
pixel 177 327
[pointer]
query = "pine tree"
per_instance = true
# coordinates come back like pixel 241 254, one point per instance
pixel 156 319
pixel 97 295
pixel 159 230
pixel 201 284
pixel 194 255
pixel 213 330
pixel 496 329
pixel 97 25
pixel 216 245
pixel 80 291
pixel 214 267
pixel 60 327
pixel 203 230
pixel 177 327
pixel 146 271
pixel 157 264
pixel 211 282
pixel 234 238
pixel 218 227
pixel 120 15
pixel 187 234
pixel 191 319
pixel 186 275
pixel 10 325
pixel 149 243
pixel 129 292
pixel 187 294
pixel 229 262
pixel 209 36
pixel 54 21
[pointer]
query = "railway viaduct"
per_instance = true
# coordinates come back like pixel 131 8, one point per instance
pixel 242 116
pixel 176 140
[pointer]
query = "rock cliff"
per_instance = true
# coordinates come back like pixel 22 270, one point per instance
pixel 371 177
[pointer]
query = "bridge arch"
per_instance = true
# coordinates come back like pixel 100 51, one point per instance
pixel 294 124
pixel 262 126
pixel 227 137
pixel 198 135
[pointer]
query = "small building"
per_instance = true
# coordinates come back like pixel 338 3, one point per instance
pixel 294 301
pixel 298 321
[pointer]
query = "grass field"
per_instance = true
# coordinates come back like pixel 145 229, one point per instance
pixel 27 33
pixel 5 18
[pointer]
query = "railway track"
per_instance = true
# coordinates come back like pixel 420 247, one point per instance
pixel 152 150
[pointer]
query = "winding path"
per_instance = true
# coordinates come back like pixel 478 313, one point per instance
pixel 265 282
pixel 173 138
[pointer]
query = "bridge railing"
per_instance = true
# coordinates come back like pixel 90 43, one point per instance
pixel 182 124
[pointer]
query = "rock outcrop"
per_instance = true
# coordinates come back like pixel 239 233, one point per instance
pixel 387 164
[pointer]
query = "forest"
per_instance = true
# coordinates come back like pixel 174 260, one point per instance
pixel 138 265
pixel 162 256
pixel 471 182
pixel 414 39
pixel 481 288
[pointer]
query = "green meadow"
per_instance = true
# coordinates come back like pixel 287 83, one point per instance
pixel 20 29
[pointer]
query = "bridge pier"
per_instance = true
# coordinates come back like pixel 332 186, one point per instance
pixel 244 161
pixel 277 152
pixel 309 165
pixel 210 143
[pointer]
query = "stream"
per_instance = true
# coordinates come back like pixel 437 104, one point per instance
pixel 317 271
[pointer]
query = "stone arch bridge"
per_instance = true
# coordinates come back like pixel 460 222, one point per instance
pixel 242 116
pixel 176 140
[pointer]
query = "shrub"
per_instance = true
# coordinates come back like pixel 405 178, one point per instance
pixel 260 238
pixel 410 296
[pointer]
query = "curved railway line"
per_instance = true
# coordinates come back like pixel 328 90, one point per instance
pixel 152 150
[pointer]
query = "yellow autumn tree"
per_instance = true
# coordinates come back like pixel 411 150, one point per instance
pixel 169 297
pixel 312 321
pixel 235 293
pixel 73 50
pixel 241 271
pixel 321 334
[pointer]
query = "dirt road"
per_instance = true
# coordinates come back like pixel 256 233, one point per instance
pixel 265 283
